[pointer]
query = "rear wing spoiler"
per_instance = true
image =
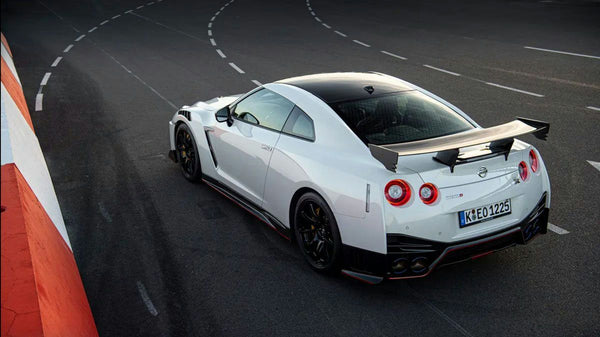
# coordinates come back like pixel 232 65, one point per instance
pixel 500 137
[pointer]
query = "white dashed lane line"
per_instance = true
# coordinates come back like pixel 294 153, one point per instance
pixel 442 70
pixel 258 84
pixel 116 16
pixel 210 25
pixel 595 164
pixel 209 32
pixel 38 102
pixel 557 229
pixel 93 29
pixel 103 22
pixel 593 108
pixel 68 48
pixel 340 33
pixel 393 55
pixel 79 38
pixel 212 41
pixel 221 53
pixel 562 52
pixel 55 63
pixel 361 43
pixel 140 7
pixel 146 299
pixel 236 68
pixel 514 89
pixel 326 26
pixel 45 79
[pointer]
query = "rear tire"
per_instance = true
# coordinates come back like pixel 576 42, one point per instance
pixel 317 233
pixel 187 153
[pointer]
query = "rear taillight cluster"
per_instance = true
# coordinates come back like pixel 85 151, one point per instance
pixel 533 164
pixel 533 161
pixel 398 192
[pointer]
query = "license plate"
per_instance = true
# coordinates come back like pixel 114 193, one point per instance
pixel 475 215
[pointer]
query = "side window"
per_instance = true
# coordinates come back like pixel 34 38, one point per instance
pixel 300 125
pixel 264 108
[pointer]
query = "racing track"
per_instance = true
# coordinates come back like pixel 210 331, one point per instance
pixel 159 256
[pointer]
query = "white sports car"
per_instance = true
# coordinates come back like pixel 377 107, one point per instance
pixel 369 174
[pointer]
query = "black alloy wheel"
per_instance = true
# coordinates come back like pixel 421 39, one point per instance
pixel 187 153
pixel 317 233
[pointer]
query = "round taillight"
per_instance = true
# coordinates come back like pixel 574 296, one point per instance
pixel 428 193
pixel 533 161
pixel 523 171
pixel 397 192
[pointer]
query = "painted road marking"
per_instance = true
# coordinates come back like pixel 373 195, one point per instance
pixel 210 25
pixel 116 16
pixel 595 164
pixel 209 32
pixel 593 108
pixel 557 229
pixel 217 13
pixel 146 299
pixel 103 22
pixel 326 26
pixel 38 102
pixel 313 13
pixel 45 78
pixel 79 38
pixel 150 3
pixel 393 55
pixel 221 53
pixel 55 63
pixel 140 7
pixel 317 18
pixel 212 41
pixel 361 43
pixel 93 29
pixel 212 19
pixel 563 52
pixel 68 48
pixel 104 212
pixel 340 33
pixel 514 89
pixel 236 68
pixel 129 11
pixel 258 84
pixel 442 70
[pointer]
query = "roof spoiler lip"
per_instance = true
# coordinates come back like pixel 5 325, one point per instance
pixel 501 137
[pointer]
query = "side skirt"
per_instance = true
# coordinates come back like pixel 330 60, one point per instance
pixel 249 206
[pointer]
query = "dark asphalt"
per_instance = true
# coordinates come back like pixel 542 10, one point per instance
pixel 210 268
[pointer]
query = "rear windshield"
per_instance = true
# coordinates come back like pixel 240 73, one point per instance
pixel 400 117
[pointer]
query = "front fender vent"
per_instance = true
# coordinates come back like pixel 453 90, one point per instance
pixel 186 114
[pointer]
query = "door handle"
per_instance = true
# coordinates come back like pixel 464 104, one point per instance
pixel 266 147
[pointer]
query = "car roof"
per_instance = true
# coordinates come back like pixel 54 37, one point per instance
pixel 337 87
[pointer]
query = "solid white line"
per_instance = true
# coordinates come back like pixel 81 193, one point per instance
pixel 593 108
pixel 68 48
pixel 45 78
pixel 116 16
pixel 393 55
pixel 93 29
pixel 103 22
pixel 139 7
pixel 557 229
pixel 317 18
pixel 209 32
pixel 236 68
pixel 563 52
pixel 340 33
pixel 221 53
pixel 55 63
pixel 442 70
pixel 258 84
pixel 79 38
pixel 146 299
pixel 361 43
pixel 595 164
pixel 326 26
pixel 513 89
pixel 209 24
pixel 38 102
pixel 212 41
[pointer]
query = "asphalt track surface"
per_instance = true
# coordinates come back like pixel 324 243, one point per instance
pixel 162 257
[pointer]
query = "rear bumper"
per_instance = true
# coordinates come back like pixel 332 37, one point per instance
pixel 410 257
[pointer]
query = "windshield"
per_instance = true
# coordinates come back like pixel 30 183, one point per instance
pixel 400 117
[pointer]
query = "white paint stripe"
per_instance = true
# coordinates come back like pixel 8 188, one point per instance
pixel 557 229
pixel 210 25
pixel 361 43
pixel 593 108
pixel 258 84
pixel 326 26
pixel 79 38
pixel 393 55
pixel 93 29
pixel 103 22
pixel 38 102
pixel 150 3
pixel 146 299
pixel 217 13
pixel 209 32
pixel 317 18
pixel 313 13
pixel 55 63
pixel 442 70
pixel 310 8
pixel 221 53
pixel 513 89
pixel 447 318
pixel 340 33
pixel 104 212
pixel 140 7
pixel 45 78
pixel 563 52
pixel 212 19
pixel 116 16
pixel 236 68
pixel 212 41
pixel 222 8
pixel 68 48
pixel 595 164
pixel 129 11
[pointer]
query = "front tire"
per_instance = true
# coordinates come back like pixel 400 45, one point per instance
pixel 317 233
pixel 187 153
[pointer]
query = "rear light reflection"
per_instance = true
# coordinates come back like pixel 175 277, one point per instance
pixel 523 171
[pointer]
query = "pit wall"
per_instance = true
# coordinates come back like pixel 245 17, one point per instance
pixel 42 292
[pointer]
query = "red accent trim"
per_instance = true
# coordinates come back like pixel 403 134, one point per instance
pixel 16 92
pixel 481 255
pixel 246 209
pixel 357 278
pixel 406 192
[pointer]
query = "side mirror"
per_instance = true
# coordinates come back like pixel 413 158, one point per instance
pixel 222 115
